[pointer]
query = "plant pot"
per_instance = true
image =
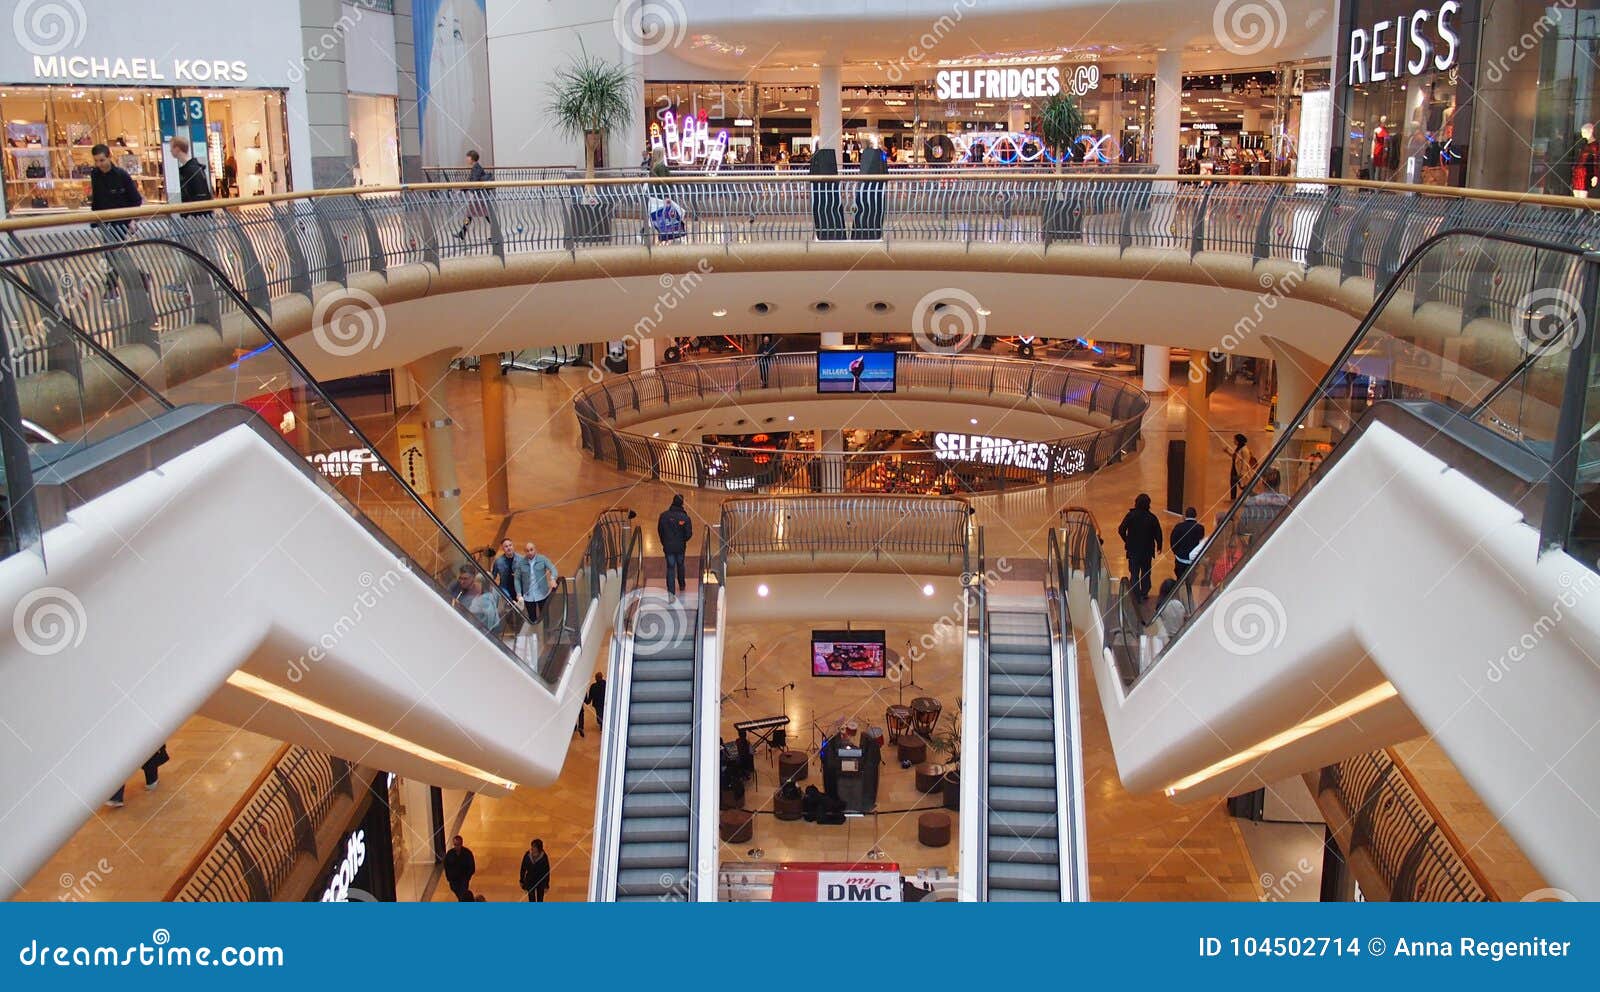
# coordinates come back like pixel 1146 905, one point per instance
pixel 952 790
pixel 589 223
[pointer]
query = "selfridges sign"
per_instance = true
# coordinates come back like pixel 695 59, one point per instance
pixel 1426 40
pixel 1013 83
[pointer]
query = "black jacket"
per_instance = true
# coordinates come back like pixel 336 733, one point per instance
pixel 459 865
pixel 534 874
pixel 113 190
pixel 1141 533
pixel 596 696
pixel 1186 536
pixel 193 183
pixel 674 528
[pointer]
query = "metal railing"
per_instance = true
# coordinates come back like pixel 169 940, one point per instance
pixel 976 580
pixel 1407 845
pixel 284 245
pixel 561 625
pixel 861 526
pixel 253 854
pixel 713 579
pixel 1048 388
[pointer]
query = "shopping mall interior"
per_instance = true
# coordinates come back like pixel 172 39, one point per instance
pixel 1067 452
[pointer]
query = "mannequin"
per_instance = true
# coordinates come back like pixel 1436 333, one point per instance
pixel 1586 171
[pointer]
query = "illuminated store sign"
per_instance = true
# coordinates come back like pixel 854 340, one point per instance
pixel 1026 83
pixel 1035 455
pixel 1408 45
pixel 140 69
pixel 355 855
pixel 346 463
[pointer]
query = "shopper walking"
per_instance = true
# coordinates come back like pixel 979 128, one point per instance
pixel 152 777
pixel 111 188
pixel 596 697
pixel 539 579
pixel 1141 538
pixel 1185 543
pixel 478 200
pixel 764 353
pixel 459 867
pixel 675 529
pixel 534 876
pixel 193 184
pixel 1244 463
pixel 510 571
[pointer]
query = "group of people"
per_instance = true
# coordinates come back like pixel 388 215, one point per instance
pixel 527 578
pixel 533 874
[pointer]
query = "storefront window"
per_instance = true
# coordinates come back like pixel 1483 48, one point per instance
pixel 374 140
pixel 49 131
pixel 1566 156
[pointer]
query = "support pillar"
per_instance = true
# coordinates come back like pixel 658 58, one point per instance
pixel 1168 111
pixel 430 374
pixel 1196 435
pixel 492 388
pixel 1157 367
pixel 1298 376
pixel 830 106
pixel 647 353
pixel 833 339
pixel 831 445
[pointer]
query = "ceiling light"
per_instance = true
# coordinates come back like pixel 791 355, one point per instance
pixel 719 312
pixel 984 311
pixel 791 418
pixel 927 589
pixel 762 590
pixel 973 421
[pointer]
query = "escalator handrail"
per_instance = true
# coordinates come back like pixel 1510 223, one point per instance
pixel 1066 743
pixel 713 567
pixel 466 558
pixel 1287 436
pixel 978 614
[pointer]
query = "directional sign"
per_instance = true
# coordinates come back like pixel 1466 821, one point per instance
pixel 413 460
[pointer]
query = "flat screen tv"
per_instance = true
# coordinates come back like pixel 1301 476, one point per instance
pixel 848 654
pixel 852 371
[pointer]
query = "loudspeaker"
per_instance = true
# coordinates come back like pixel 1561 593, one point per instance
pixel 1175 457
pixel 827 211
pixel 870 197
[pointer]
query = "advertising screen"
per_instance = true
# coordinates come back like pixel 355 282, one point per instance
pixel 855 371
pixel 848 654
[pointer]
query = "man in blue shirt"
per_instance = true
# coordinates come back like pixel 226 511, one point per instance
pixel 540 579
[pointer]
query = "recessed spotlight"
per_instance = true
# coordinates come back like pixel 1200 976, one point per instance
pixel 927 589
pixel 791 418
pixel 973 421
pixel 984 311
pixel 762 590
pixel 658 433
pixel 719 312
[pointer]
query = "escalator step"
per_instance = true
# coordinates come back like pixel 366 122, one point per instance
pixel 1030 850
pixel 676 712
pixel 651 882
pixel 653 804
pixel 1019 685
pixel 632 854
pixel 1021 728
pixel 664 650
pixel 1032 752
pixel 1001 643
pixel 1038 707
pixel 663 692
pixel 1021 895
pixel 655 829
pixel 659 734
pixel 1022 774
pixel 1007 798
pixel 648 780
pixel 1015 823
pixel 662 669
pixel 679 756
pixel 1015 663
pixel 1008 875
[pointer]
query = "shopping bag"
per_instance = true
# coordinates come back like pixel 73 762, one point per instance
pixel 667 218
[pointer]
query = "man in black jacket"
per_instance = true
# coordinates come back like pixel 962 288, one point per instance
pixel 674 528
pixel 1186 537
pixel 111 188
pixel 459 867
pixel 194 186
pixel 596 697
pixel 1141 536
pixel 478 205
pixel 534 874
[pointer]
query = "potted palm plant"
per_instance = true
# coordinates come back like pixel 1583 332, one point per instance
pixel 590 97
pixel 946 742
pixel 1060 126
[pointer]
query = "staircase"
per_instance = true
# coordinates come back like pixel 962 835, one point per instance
pixel 655 852
pixel 1024 835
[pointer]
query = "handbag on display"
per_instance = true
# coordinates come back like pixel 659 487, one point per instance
pixel 34 172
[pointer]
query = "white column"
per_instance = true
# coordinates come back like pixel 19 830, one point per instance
pixel 831 447
pixel 833 339
pixel 1168 111
pixel 830 104
pixel 1016 118
pixel 1157 367
pixel 647 353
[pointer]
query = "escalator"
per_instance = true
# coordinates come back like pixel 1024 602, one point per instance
pixel 648 812
pixel 340 611
pixel 1031 845
pixel 1411 558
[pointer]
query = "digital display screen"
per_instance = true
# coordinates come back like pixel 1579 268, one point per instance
pixel 848 654
pixel 855 371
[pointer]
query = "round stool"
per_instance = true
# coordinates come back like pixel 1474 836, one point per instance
pixel 913 749
pixel 792 767
pixel 788 809
pixel 929 777
pixel 736 826
pixel 933 829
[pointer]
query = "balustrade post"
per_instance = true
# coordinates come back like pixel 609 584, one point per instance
pixel 1355 241
pixel 1315 244
pixel 375 253
pixel 1197 233
pixel 288 229
pixel 1263 246
pixel 1389 258
pixel 332 251
pixel 254 878
pixel 203 294
pixel 305 832
pixel 1405 879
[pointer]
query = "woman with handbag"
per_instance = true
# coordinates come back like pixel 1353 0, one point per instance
pixel 152 776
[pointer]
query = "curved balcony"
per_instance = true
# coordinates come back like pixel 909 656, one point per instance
pixel 1109 409
pixel 323 262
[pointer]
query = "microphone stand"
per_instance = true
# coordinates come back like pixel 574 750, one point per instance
pixel 745 682
pixel 913 682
